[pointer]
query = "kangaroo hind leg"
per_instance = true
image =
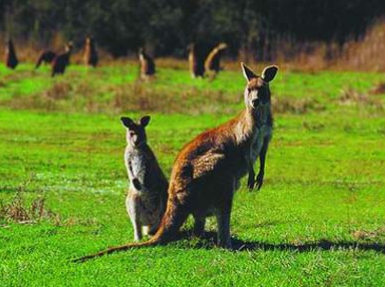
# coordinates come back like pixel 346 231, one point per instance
pixel 223 215
pixel 132 212
pixel 199 225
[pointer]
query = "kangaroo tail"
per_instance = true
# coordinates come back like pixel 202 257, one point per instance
pixel 172 220
pixel 124 247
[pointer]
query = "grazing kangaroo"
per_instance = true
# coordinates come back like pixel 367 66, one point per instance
pixel 147 194
pixel 90 54
pixel 147 65
pixel 212 62
pixel 11 60
pixel 61 61
pixel 196 66
pixel 45 57
pixel 207 171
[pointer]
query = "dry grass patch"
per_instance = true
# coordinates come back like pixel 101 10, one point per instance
pixel 290 105
pixel 350 96
pixel 58 91
pixel 20 212
pixel 379 89
pixel 141 96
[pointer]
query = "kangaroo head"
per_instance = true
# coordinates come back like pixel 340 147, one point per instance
pixel 136 135
pixel 191 47
pixel 257 93
pixel 89 40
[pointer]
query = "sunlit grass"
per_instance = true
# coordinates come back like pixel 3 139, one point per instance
pixel 318 220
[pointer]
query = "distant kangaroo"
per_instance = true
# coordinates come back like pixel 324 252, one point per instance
pixel 45 57
pixel 196 65
pixel 212 62
pixel 90 54
pixel 147 194
pixel 207 171
pixel 61 61
pixel 147 65
pixel 11 60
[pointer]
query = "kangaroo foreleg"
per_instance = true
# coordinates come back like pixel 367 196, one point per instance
pixel 251 176
pixel 260 177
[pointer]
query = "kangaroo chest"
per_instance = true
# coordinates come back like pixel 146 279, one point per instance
pixel 136 163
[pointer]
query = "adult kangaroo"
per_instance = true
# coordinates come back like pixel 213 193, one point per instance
pixel 147 65
pixel 196 61
pixel 90 52
pixel 60 62
pixel 46 56
pixel 207 171
pixel 11 60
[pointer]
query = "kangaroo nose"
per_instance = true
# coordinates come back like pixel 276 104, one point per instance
pixel 255 103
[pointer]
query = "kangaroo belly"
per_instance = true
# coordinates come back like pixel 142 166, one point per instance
pixel 264 132
pixel 148 209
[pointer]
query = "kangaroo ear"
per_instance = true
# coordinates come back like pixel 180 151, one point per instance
pixel 145 120
pixel 248 73
pixel 127 122
pixel 269 73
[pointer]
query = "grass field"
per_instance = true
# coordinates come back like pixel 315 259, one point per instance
pixel 318 220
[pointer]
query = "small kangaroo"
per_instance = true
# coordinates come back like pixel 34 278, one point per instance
pixel 147 194
pixel 11 60
pixel 90 53
pixel 147 65
pixel 207 171
pixel 61 61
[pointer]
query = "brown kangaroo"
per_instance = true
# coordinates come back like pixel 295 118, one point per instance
pixel 90 54
pixel 207 171
pixel 46 57
pixel 212 62
pixel 147 65
pixel 11 60
pixel 61 61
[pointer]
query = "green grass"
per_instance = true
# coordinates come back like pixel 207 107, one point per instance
pixel 318 220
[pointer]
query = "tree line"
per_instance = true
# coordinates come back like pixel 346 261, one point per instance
pixel 167 27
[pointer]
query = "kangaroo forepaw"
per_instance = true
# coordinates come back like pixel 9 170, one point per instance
pixel 136 183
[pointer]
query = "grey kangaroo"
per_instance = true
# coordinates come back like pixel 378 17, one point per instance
pixel 147 194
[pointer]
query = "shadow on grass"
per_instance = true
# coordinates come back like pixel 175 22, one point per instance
pixel 209 240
